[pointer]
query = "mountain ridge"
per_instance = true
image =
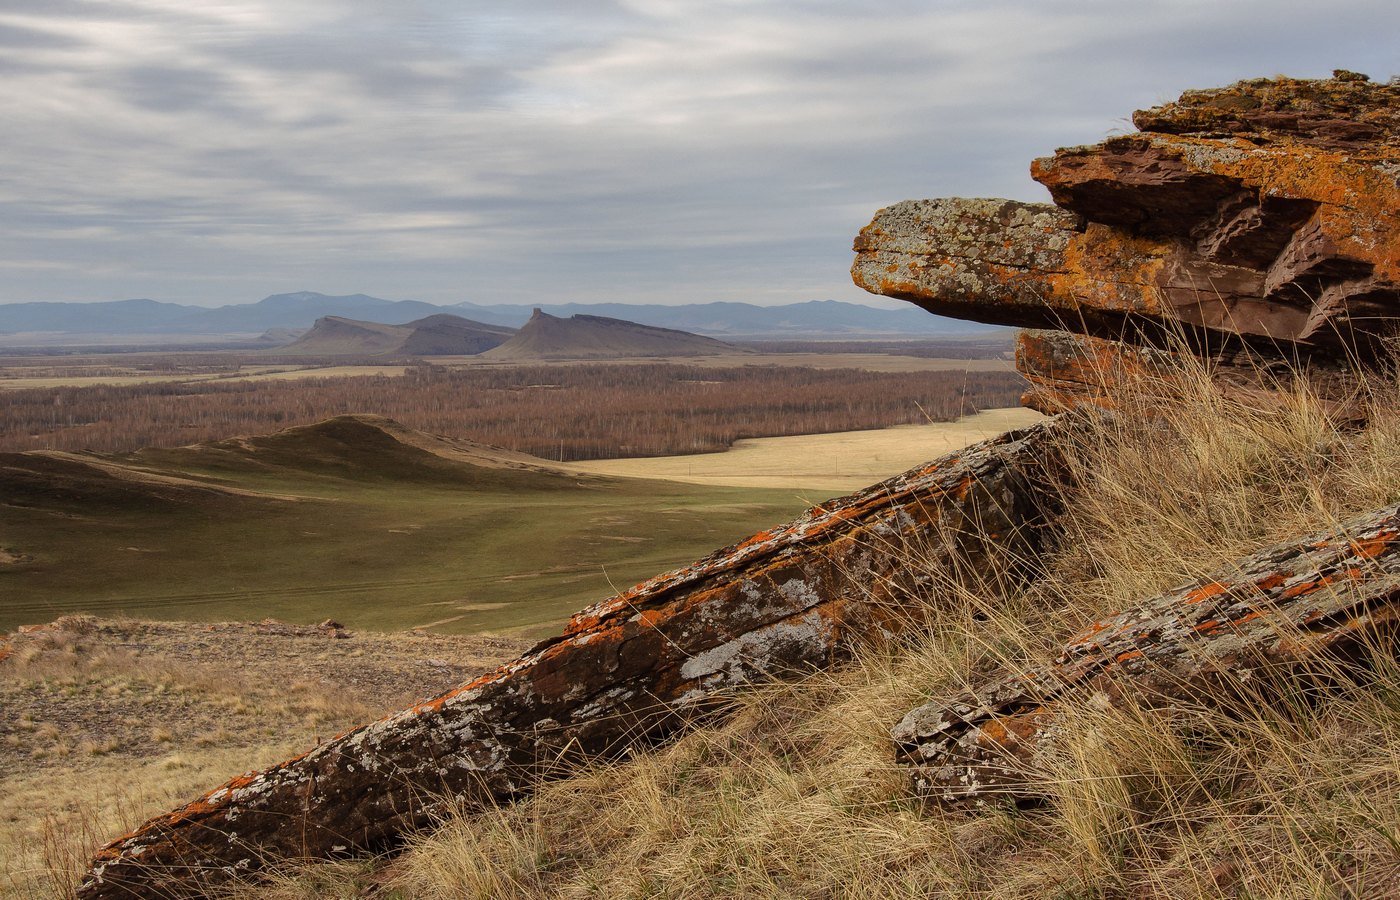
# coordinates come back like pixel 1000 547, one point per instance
pixel 812 318
pixel 600 337
pixel 439 334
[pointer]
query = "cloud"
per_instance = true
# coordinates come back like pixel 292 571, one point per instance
pixel 649 150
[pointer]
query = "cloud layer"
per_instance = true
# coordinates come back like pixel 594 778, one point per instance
pixel 644 150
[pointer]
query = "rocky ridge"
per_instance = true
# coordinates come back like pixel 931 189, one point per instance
pixel 1254 224
pixel 599 337
pixel 436 335
pixel 627 672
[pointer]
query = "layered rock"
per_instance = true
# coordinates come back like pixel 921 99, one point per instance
pixel 1263 215
pixel 627 672
pixel 1067 371
pixel 1303 605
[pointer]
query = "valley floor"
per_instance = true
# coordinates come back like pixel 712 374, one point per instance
pixel 821 465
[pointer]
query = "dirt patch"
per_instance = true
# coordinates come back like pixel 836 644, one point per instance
pixel 85 691
pixel 13 557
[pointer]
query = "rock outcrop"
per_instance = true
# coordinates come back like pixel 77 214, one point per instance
pixel 599 337
pixel 438 335
pixel 1067 371
pixel 1265 215
pixel 1301 605
pixel 627 672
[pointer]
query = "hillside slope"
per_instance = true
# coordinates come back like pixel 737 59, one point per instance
pixel 355 518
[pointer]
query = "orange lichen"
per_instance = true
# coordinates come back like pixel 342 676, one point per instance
pixel 1374 546
pixel 1205 592
pixel 1305 587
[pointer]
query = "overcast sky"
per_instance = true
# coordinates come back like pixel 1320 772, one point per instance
pixel 216 151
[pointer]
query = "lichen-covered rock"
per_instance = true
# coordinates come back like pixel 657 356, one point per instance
pixel 627 672
pixel 1266 214
pixel 1295 605
pixel 1068 371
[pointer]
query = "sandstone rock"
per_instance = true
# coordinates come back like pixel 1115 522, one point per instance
pixel 1284 609
pixel 627 672
pixel 1068 371
pixel 1266 214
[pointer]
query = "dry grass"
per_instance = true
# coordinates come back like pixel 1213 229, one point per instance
pixel 104 723
pixel 1267 792
pixel 797 796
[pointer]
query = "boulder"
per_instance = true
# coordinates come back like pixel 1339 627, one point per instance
pixel 1300 606
pixel 1265 215
pixel 625 673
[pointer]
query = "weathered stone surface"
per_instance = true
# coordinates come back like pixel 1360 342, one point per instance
pixel 1284 609
pixel 1266 214
pixel 627 672
pixel 1069 371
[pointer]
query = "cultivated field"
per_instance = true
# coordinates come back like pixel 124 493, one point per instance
pixel 819 466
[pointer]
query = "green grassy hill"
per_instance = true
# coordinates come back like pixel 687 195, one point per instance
pixel 355 519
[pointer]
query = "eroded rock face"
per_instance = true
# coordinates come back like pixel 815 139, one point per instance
pixel 1068 371
pixel 1305 603
pixel 1266 213
pixel 627 672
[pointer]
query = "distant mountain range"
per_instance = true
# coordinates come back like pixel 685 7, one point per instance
pixel 816 318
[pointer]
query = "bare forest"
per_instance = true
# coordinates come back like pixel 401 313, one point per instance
pixel 556 412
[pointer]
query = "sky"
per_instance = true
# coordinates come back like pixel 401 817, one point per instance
pixel 660 151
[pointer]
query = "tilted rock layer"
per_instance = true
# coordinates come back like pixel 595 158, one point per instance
pixel 1312 602
pixel 629 671
pixel 1265 214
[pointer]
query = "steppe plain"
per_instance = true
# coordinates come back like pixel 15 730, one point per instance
pixel 435 559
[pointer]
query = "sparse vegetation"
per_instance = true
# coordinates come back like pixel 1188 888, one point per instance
pixel 103 722
pixel 346 522
pixel 556 412
pixel 1252 794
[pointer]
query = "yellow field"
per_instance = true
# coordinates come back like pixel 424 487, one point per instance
pixel 320 372
pixel 820 465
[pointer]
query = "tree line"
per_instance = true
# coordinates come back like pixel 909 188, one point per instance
pixel 557 412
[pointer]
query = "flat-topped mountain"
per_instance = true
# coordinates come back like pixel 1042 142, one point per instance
pixel 598 337
pixel 437 335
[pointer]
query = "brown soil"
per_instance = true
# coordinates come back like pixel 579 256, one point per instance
pixel 84 690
